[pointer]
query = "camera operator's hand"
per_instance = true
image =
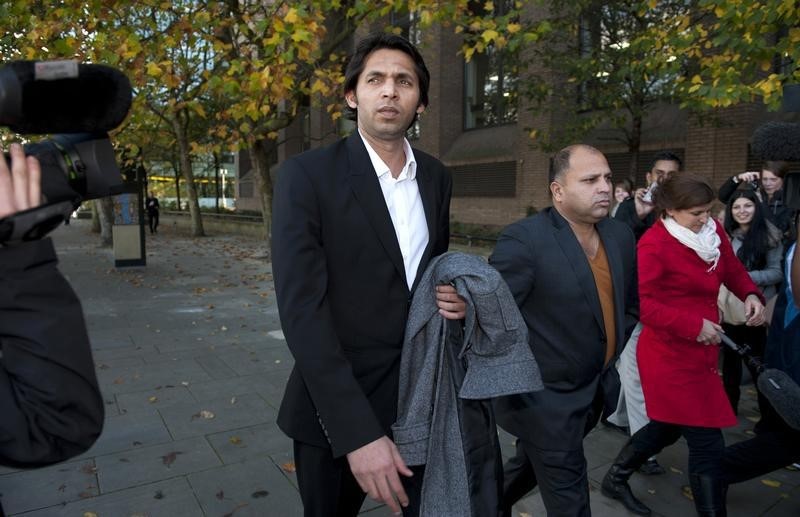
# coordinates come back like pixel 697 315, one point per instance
pixel 20 186
pixel 643 208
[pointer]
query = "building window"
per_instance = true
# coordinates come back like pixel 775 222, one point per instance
pixel 490 83
pixel 497 179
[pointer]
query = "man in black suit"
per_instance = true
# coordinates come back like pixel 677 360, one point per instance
pixel 571 270
pixel 354 225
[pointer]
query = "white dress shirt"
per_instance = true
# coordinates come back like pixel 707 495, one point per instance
pixel 405 207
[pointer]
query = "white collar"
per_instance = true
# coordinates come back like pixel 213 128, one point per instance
pixel 380 166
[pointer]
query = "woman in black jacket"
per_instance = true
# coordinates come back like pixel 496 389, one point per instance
pixel 757 243
pixel 768 184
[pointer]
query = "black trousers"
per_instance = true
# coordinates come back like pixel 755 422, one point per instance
pixel 756 339
pixel 706 444
pixel 775 446
pixel 329 489
pixel 152 221
pixel 561 475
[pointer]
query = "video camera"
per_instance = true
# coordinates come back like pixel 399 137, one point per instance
pixel 781 141
pixel 79 104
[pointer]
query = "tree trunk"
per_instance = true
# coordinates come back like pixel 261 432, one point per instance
pixel 105 206
pixel 95 217
pixel 260 153
pixel 634 143
pixel 177 189
pixel 182 138
pixel 216 182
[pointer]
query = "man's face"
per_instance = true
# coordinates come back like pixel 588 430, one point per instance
pixel 662 170
pixel 583 194
pixel 386 95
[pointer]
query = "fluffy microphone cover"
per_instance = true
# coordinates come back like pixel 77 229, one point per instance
pixel 777 141
pixel 783 393
pixel 97 100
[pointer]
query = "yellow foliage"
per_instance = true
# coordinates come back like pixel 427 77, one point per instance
pixel 153 70
pixel 697 79
pixel 291 16
pixel 320 87
pixel 514 28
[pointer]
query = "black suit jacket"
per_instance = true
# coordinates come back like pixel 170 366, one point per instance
pixel 341 289
pixel 551 279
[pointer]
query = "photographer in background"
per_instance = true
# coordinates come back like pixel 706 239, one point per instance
pixel 768 184
pixel 51 408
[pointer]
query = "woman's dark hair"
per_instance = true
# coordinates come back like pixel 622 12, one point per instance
pixel 682 191
pixel 777 168
pixel 380 41
pixel 626 184
pixel 759 237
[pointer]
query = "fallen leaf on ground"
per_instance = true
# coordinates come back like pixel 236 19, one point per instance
pixel 89 514
pixel 259 493
pixel 289 466
pixel 169 459
pixel 204 414
pixel 158 495
pixel 233 400
pixel 686 490
pixel 220 495
pixel 677 471
pixel 152 399
pixel 235 440
pixel 771 482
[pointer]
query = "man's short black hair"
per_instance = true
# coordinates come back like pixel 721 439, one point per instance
pixel 667 156
pixel 380 41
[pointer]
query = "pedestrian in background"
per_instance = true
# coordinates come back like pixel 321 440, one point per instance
pixel 757 243
pixel 151 205
pixel 768 184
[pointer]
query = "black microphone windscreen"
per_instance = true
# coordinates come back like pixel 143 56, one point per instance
pixel 38 97
pixel 777 141
pixel 783 393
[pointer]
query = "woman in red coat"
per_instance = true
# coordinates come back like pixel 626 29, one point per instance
pixel 682 261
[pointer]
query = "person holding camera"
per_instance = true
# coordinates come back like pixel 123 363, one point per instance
pixel 768 184
pixel 637 211
pixel 51 408
pixel 757 243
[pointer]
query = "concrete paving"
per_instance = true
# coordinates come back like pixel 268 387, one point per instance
pixel 192 365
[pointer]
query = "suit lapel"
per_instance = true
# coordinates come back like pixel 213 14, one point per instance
pixel 617 277
pixel 367 191
pixel 427 194
pixel 577 260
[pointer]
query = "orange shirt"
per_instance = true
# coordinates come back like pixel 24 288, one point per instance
pixel 605 291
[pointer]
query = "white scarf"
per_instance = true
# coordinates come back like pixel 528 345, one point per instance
pixel 705 242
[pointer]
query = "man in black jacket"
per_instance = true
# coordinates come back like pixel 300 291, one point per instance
pixel 572 272
pixel 50 405
pixel 354 226
pixel 637 211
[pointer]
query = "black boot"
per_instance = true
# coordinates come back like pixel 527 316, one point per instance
pixel 709 495
pixel 615 482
